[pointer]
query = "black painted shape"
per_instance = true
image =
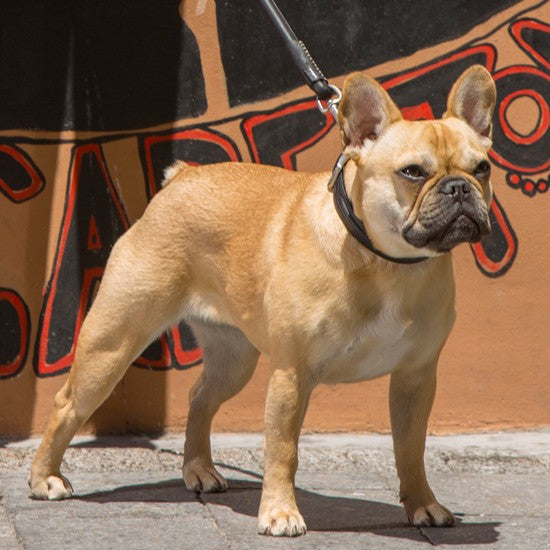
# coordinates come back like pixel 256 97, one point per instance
pixel 434 85
pixel 10 337
pixel 342 36
pixel 499 247
pixel 495 245
pixel 276 136
pixel 187 337
pixel 13 173
pixel 163 354
pixel 189 352
pixel 195 151
pixel 20 178
pixel 537 41
pixel 534 155
pixel 90 65
pixel 153 355
pixel 10 332
pixel 197 146
pixel 14 332
pixel 94 219
pixel 92 197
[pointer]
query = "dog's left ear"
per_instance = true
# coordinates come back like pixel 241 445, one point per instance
pixel 472 98
pixel 365 111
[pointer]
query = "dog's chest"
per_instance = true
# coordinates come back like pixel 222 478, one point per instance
pixel 377 347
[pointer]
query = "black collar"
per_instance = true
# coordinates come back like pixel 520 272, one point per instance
pixel 353 224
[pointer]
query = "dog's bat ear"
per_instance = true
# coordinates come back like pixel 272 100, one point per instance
pixel 473 98
pixel 365 110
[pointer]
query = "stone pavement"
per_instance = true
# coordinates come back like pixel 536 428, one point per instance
pixel 129 494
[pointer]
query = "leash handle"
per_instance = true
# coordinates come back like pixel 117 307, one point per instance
pixel 313 76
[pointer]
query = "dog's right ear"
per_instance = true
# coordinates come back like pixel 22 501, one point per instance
pixel 364 112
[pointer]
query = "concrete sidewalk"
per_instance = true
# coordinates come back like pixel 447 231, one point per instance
pixel 129 494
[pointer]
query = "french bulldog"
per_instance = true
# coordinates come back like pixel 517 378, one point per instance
pixel 261 259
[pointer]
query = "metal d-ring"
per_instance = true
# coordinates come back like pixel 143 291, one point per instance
pixel 331 104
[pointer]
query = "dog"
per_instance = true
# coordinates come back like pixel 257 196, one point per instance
pixel 261 259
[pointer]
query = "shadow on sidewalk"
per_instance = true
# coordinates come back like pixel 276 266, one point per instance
pixel 323 513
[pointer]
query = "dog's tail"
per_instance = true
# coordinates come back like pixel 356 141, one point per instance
pixel 172 171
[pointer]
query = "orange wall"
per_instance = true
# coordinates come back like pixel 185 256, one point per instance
pixel 494 372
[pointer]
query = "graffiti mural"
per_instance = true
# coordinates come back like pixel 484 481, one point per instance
pixel 92 152
pixel 525 155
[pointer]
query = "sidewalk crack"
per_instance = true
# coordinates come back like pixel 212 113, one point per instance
pixel 11 525
pixel 213 519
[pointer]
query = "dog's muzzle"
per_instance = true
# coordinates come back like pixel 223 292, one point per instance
pixel 453 212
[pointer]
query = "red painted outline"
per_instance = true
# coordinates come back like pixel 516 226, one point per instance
pixel 286 157
pixel 194 134
pixel 165 361
pixel 543 122
pixel 37 180
pixel 518 69
pixel 494 269
pixel 516 29
pixel 11 369
pixel 42 367
pixel 487 49
pixel 183 356
pixel 94 239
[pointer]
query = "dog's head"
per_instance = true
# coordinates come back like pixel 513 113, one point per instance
pixel 421 187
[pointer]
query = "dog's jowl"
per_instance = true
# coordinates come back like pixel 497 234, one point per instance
pixel 258 259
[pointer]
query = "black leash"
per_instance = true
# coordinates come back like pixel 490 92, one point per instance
pixel 324 91
pixel 313 76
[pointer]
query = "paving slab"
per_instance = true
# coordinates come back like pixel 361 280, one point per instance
pixel 8 538
pixel 495 494
pixel 129 494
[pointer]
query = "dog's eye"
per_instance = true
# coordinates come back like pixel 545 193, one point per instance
pixel 482 169
pixel 413 172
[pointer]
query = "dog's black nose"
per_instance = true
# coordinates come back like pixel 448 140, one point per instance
pixel 457 189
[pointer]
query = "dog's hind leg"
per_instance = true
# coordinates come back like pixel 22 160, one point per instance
pixel 229 361
pixel 135 303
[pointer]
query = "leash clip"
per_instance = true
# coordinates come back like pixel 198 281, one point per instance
pixel 331 104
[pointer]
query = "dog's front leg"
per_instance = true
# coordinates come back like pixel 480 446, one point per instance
pixel 411 399
pixel 287 400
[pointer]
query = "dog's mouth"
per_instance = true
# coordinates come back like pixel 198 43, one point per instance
pixel 462 229
pixel 443 231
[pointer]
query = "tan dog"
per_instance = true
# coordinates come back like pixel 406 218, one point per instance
pixel 256 258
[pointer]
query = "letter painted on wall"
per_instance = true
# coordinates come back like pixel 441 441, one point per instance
pixel 94 218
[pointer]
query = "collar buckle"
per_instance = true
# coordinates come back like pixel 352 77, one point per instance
pixel 337 170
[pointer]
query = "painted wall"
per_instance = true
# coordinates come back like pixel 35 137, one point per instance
pixel 98 97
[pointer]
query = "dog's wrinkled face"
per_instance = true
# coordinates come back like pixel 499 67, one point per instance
pixel 442 183
pixel 424 186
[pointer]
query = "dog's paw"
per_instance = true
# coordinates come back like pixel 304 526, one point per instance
pixel 433 514
pixel 200 478
pixel 51 488
pixel 281 522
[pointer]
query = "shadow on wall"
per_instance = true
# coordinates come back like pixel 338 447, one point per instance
pixel 97 66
